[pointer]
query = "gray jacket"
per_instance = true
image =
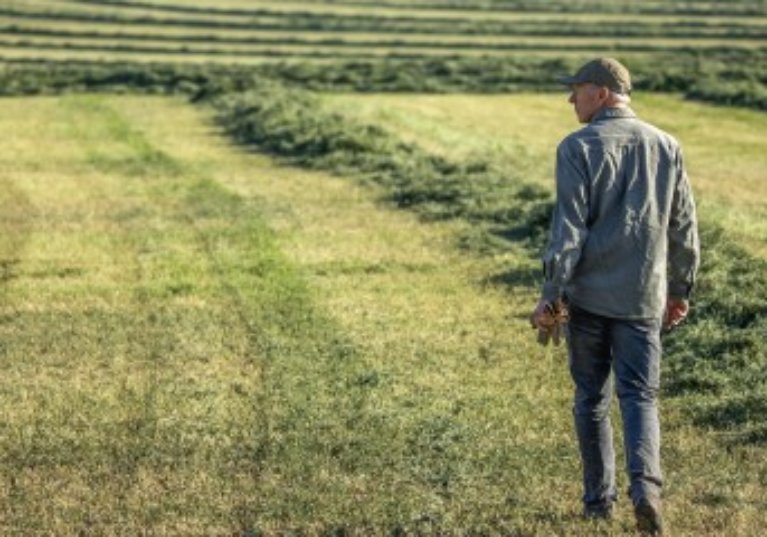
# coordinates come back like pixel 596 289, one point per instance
pixel 624 232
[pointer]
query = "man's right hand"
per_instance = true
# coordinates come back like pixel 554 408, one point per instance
pixel 676 312
pixel 549 319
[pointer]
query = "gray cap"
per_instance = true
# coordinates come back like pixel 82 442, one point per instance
pixel 607 72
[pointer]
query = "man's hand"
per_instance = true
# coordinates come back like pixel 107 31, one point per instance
pixel 549 319
pixel 676 312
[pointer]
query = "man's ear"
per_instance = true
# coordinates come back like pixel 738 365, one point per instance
pixel 603 94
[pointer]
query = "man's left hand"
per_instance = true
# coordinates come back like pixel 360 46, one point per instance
pixel 676 312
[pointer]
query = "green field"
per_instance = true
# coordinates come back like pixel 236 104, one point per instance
pixel 120 30
pixel 266 265
pixel 725 147
pixel 199 341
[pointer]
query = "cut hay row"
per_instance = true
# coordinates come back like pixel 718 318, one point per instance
pixel 273 18
pixel 403 11
pixel 328 17
pixel 20 23
pixel 731 9
pixel 14 56
pixel 323 36
pixel 311 56
pixel 152 44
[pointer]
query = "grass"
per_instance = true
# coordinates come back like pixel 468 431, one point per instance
pixel 518 134
pixel 413 26
pixel 249 8
pixel 99 57
pixel 371 21
pixel 107 296
pixel 200 341
pixel 716 360
pixel 327 33
pixel 736 8
pixel 709 56
pixel 141 321
pixel 411 37
pixel 354 44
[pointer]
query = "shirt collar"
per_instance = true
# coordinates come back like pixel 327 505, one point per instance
pixel 613 113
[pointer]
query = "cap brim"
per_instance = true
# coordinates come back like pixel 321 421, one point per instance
pixel 567 80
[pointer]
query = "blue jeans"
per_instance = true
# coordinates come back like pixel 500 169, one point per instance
pixel 629 351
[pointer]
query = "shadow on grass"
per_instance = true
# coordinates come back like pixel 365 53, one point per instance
pixel 8 270
pixel 518 277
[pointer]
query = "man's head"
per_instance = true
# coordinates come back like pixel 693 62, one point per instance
pixel 603 82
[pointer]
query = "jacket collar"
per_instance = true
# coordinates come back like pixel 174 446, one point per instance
pixel 613 113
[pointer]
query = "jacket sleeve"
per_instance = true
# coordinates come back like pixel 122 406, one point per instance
pixel 683 242
pixel 569 222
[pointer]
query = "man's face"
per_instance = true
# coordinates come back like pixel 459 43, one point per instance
pixel 587 99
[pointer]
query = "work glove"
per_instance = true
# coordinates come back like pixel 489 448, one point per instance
pixel 549 319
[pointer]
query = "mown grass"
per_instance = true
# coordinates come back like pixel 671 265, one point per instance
pixel 506 212
pixel 403 11
pixel 684 72
pixel 167 370
pixel 735 8
pixel 716 59
pixel 359 47
pixel 517 134
pixel 175 366
pixel 100 58
pixel 372 27
pixel 409 307
pixel 101 340
pixel 407 27
pixel 380 386
pixel 375 37
pixel 154 340
pixel 320 34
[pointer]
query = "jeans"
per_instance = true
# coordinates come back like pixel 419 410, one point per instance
pixel 629 351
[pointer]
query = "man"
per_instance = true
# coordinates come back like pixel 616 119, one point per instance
pixel 622 259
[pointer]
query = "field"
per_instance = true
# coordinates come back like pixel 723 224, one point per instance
pixel 248 32
pixel 518 133
pixel 266 266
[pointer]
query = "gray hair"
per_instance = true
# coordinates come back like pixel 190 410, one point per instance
pixel 619 98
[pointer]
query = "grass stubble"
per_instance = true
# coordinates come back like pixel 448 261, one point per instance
pixel 140 325
pixel 200 341
pixel 714 365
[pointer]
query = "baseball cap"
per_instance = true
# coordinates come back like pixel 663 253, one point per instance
pixel 607 72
